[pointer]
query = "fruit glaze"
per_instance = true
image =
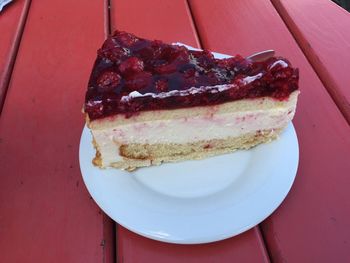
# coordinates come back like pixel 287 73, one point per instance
pixel 132 74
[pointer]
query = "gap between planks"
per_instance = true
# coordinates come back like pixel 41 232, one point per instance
pixel 109 225
pixel 256 229
pixel 13 53
pixel 339 100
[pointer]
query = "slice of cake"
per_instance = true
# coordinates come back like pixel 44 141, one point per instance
pixel 149 102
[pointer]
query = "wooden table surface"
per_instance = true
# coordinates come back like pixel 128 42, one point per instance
pixel 47 49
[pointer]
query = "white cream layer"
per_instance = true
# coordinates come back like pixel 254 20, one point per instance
pixel 188 130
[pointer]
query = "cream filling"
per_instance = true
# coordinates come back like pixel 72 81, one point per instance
pixel 189 129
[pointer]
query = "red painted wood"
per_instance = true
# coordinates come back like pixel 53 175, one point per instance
pixel 46 213
pixel 243 248
pixel 322 29
pixel 166 20
pixel 312 224
pixel 171 21
pixel 12 20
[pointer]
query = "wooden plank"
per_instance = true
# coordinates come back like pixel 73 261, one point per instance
pixel 243 248
pixel 168 20
pixel 171 21
pixel 12 22
pixel 46 213
pixel 322 30
pixel 312 223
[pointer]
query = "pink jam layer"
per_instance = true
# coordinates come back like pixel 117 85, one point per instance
pixel 132 74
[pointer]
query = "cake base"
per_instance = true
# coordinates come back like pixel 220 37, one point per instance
pixel 140 155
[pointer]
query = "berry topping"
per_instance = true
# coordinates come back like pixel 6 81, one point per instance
pixel 125 39
pixel 94 108
pixel 166 68
pixel 112 51
pixel 108 80
pixel 130 72
pixel 139 81
pixel 131 65
pixel 161 85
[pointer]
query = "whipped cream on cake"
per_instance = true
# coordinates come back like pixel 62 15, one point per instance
pixel 149 102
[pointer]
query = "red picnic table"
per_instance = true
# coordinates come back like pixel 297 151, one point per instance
pixel 47 49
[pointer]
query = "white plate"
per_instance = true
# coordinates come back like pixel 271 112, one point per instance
pixel 195 201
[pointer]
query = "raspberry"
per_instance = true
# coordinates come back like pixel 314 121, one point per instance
pixel 139 80
pixel 161 85
pixel 227 63
pixel 189 73
pixel 108 80
pixel 125 38
pixel 283 74
pixel 243 66
pixel 94 108
pixel 213 78
pixel 206 53
pixel 180 54
pixel 130 65
pixel 166 68
pixel 190 82
pixel 112 51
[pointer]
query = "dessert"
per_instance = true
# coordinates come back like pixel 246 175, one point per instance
pixel 149 102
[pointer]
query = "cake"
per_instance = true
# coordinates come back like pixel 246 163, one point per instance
pixel 150 102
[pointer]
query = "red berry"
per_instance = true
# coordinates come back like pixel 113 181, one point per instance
pixel 189 73
pixel 166 53
pixel 139 80
pixel 244 65
pixel 282 74
pixel 157 48
pixel 94 108
pixel 108 80
pixel 166 68
pixel 190 82
pixel 180 54
pixel 238 80
pixel 114 54
pixel 161 85
pixel 227 63
pixel 125 39
pixel 110 43
pixel 213 78
pixel 130 65
pixel 111 50
pixel 207 54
